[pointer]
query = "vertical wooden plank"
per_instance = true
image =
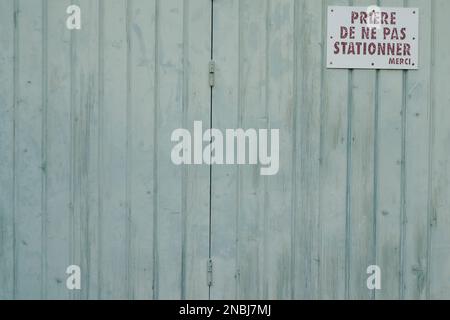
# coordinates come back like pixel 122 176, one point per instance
pixel 76 139
pixel 169 177
pixel 389 171
pixel 439 273
pixel 114 282
pixel 307 149
pixel 7 121
pixel 141 29
pixel 253 114
pixel 58 151
pixel 333 178
pixel 361 180
pixel 417 150
pixel 226 179
pixel 196 184
pixel 100 139
pixel 280 109
pixel 85 46
pixel 28 151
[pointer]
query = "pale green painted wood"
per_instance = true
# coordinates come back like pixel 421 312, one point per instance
pixel 86 130
pixel 361 245
pixel 252 114
pixel 439 247
pixel 142 93
pixel 254 90
pixel 86 177
pixel 227 182
pixel 115 220
pixel 183 96
pixel 170 55
pixel 7 110
pixel 28 209
pixel 333 178
pixel 306 203
pixel 93 111
pixel 57 151
pixel 389 175
pixel 417 156
pixel 279 112
pixel 196 186
pixel 365 160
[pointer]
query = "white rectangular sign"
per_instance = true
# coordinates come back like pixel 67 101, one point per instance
pixel 373 38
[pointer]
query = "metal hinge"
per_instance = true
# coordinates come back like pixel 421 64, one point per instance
pixel 212 71
pixel 209 272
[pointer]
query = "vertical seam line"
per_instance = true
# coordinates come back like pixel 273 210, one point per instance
pixel 100 144
pixel 155 285
pixel 210 127
pixel 348 183
pixel 72 155
pixel 185 107
pixel 268 125
pixel 15 153
pixel 294 153
pixel 128 158
pixel 375 171
pixel 321 134
pixel 44 137
pixel 238 168
pixel 403 185
pixel 430 152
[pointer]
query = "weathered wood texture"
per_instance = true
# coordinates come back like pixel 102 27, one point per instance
pixel 364 160
pixel 86 177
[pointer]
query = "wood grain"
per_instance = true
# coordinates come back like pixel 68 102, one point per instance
pixel 86 176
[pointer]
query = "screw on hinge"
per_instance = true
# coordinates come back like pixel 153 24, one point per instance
pixel 212 70
pixel 209 272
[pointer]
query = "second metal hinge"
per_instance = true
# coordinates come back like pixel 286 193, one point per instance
pixel 212 71
pixel 209 272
